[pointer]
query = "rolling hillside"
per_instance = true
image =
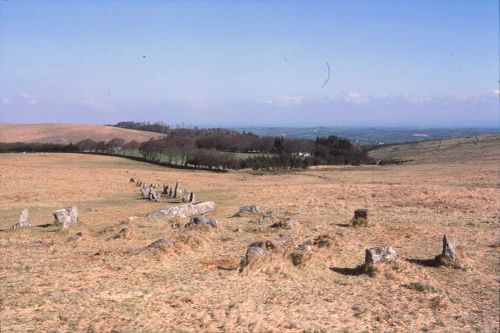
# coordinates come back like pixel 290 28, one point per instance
pixel 68 133
pixel 464 149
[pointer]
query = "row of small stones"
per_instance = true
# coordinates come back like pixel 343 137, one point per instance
pixel 303 251
pixel 148 191
pixel 64 217
pixel 260 250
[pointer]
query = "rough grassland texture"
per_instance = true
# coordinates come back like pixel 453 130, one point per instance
pixel 69 133
pixel 92 282
pixel 459 150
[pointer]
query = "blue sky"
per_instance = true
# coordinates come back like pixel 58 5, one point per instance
pixel 235 63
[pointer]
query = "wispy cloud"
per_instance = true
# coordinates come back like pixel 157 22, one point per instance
pixel 356 98
pixel 285 101
pixel 6 100
pixel 28 99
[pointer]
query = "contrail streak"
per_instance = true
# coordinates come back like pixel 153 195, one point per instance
pixel 328 77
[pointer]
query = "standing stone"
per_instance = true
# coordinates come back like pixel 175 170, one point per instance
pixel 448 256
pixel 180 193
pixel 170 192
pixel 165 190
pixel 153 195
pixel 377 255
pixel 66 216
pixel 145 192
pixel 192 197
pixel 24 220
pixel 176 189
pixel 360 218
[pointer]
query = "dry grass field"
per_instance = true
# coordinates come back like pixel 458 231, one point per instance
pixel 481 147
pixel 56 281
pixel 68 133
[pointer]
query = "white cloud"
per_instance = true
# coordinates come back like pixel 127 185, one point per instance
pixel 28 99
pixel 6 100
pixel 285 101
pixel 356 98
pixel 496 91
pixel 418 99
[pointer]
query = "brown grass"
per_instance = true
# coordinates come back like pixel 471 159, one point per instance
pixel 69 133
pixel 481 147
pixel 56 280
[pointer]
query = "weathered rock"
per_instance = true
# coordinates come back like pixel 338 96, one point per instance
pixel 165 190
pixel 185 196
pixel 448 256
pixel 256 252
pixel 202 220
pixel 323 241
pixel 153 195
pixel 287 223
pixel 377 255
pixel 145 192
pixel 177 191
pixel 248 209
pixel 360 218
pixel 24 220
pixel 184 210
pixel 123 233
pixel 162 243
pixel 66 216
pixel 301 254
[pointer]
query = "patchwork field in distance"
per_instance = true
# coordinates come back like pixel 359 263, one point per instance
pixel 85 279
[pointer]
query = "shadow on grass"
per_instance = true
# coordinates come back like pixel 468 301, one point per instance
pixel 356 271
pixel 44 225
pixel 424 262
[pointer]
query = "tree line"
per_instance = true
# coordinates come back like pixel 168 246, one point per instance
pixel 215 149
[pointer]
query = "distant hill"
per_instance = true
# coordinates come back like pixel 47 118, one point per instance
pixel 463 149
pixel 369 136
pixel 69 133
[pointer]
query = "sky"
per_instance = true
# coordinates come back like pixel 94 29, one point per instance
pixel 207 63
